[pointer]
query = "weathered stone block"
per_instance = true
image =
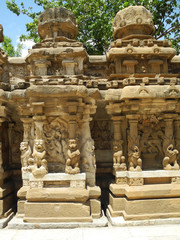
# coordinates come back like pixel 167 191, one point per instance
pixel 57 212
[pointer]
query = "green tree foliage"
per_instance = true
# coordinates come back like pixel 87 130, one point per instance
pixel 95 18
pixel 8 47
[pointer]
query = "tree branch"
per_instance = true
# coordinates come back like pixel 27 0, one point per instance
pixel 168 31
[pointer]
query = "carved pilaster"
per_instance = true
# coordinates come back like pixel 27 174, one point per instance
pixel 118 158
pixel 26 151
pixel 177 133
pixel 117 128
pixel 27 123
pixel 38 163
pixel 73 153
pixel 169 130
pixel 39 123
pixel 133 138
pixel 69 65
pixel 41 67
pixel 88 158
pixel 135 162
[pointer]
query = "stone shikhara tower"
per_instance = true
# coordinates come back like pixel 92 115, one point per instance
pixel 75 127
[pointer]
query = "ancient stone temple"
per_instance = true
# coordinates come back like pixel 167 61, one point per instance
pixel 87 139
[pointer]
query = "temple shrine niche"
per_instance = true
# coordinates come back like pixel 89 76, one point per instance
pixel 90 139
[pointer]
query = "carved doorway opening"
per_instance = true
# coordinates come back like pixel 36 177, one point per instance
pixel 102 134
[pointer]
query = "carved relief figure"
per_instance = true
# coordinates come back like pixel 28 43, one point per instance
pixel 118 159
pixel 102 134
pixel 170 160
pixel 88 155
pixel 72 163
pixel 25 155
pixel 135 162
pixel 151 132
pixel 55 132
pixel 40 162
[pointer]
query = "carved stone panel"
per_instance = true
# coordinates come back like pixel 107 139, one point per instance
pixel 152 135
pixel 56 141
pixel 102 134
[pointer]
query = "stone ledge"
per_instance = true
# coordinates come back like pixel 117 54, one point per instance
pixel 17 223
pixel 149 174
pixel 146 191
pixel 57 195
pixel 59 177
pixel 120 221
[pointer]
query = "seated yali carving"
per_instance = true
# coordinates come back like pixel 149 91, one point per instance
pixel 135 162
pixel 40 162
pixel 72 163
pixel 170 160
pixel 119 163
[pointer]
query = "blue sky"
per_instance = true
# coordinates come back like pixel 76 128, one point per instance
pixel 14 25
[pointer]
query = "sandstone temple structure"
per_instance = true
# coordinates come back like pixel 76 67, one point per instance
pixel 90 139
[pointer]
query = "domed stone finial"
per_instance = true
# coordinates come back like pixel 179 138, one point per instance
pixel 134 21
pixel 55 22
pixel 1 34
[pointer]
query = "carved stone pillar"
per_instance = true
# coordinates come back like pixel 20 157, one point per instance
pixel 72 128
pixel 155 65
pixel 26 151
pixel 133 139
pixel 88 158
pixel 39 166
pixel 39 123
pixel 177 132
pixel 41 67
pixel 72 163
pixel 69 65
pixel 170 158
pixel 117 128
pixel 118 158
pixel 135 162
pixel 72 110
pixel 169 130
pixel 130 65
pixel 27 122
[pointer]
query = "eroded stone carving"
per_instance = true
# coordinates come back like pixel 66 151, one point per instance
pixel 40 162
pixel 101 133
pixel 170 160
pixel 136 181
pixel 72 163
pixel 56 135
pixel 121 180
pixel 26 154
pixel 88 155
pixel 135 162
pixel 119 163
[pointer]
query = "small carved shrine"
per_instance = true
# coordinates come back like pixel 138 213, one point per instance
pixel 78 132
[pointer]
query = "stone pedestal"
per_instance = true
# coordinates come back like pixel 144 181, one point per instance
pixel 145 195
pixel 67 201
